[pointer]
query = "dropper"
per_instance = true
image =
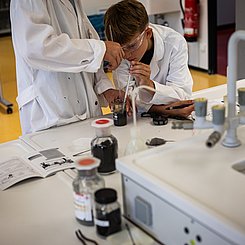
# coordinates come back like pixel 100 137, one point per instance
pixel 112 39
pixel 126 92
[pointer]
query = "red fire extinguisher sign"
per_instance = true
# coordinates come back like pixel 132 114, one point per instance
pixel 191 20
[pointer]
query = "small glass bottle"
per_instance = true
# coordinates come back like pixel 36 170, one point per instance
pixel 104 146
pixel 107 212
pixel 85 184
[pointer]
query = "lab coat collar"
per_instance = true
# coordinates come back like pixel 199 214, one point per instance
pixel 68 4
pixel 158 51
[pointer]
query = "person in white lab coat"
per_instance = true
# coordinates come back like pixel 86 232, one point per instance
pixel 59 58
pixel 155 56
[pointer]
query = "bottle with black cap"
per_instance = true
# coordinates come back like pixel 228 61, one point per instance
pixel 108 212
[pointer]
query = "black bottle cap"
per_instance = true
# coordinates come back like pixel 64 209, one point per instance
pixel 105 195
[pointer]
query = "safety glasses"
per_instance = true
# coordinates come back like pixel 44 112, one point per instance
pixel 134 45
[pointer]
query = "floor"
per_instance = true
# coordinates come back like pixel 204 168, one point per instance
pixel 10 124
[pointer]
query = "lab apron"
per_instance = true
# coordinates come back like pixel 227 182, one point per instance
pixel 58 62
pixel 43 108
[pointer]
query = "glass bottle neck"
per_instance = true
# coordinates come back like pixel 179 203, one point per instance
pixel 100 132
pixel 87 173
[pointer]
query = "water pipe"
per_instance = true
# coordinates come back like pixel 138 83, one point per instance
pixel 231 139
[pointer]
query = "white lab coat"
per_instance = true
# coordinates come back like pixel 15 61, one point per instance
pixel 56 63
pixel 169 69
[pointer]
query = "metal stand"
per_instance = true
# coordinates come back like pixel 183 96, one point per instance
pixel 5 103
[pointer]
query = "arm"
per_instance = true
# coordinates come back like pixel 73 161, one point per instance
pixel 43 46
pixel 110 91
pixel 178 83
pixel 180 108
pixel 173 81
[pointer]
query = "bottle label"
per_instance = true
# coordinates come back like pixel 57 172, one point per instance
pixel 83 206
pixel 103 223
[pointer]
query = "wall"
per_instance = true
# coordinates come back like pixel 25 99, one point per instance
pixel 225 12
pixel 161 6
pixel 152 6
pixel 198 51
pixel 92 7
pixel 240 25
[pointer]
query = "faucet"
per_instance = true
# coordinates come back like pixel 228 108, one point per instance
pixel 220 123
pixel 231 139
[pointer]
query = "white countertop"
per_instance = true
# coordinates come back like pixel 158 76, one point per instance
pixel 196 179
pixel 40 211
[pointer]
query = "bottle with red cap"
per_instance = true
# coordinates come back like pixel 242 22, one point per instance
pixel 104 146
pixel 85 184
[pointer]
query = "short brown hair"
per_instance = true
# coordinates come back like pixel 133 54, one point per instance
pixel 125 18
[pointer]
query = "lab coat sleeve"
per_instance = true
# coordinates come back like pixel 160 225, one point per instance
pixel 102 83
pixel 119 80
pixel 43 48
pixel 178 84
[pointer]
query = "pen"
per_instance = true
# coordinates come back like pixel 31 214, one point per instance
pixel 178 107
pixel 81 152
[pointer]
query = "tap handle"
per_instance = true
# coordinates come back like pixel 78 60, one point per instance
pixel 201 107
pixel 241 96
pixel 218 112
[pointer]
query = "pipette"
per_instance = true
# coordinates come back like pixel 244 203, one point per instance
pixel 112 39
pixel 126 92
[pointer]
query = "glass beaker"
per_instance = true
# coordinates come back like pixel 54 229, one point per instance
pixel 119 113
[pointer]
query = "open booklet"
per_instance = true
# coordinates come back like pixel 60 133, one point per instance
pixel 37 164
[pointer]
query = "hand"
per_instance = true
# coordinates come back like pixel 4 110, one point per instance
pixel 142 73
pixel 114 54
pixel 112 95
pixel 180 108
pixel 172 109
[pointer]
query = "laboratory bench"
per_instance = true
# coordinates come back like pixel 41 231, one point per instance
pixel 40 210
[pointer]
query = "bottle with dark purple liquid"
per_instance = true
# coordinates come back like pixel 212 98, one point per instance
pixel 119 113
pixel 107 212
pixel 104 146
